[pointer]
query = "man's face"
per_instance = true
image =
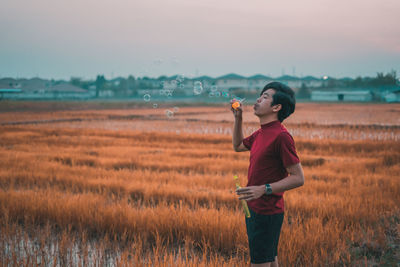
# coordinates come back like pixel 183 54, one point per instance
pixel 263 106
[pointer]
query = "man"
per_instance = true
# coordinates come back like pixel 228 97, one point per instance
pixel 274 168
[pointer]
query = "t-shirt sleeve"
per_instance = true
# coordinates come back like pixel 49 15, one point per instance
pixel 248 141
pixel 287 149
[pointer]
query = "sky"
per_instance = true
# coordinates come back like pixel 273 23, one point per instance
pixel 83 38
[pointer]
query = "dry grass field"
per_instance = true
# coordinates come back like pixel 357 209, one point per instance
pixel 130 186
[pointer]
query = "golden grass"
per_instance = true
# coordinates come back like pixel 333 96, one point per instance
pixel 130 197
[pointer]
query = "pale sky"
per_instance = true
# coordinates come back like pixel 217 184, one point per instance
pixel 82 38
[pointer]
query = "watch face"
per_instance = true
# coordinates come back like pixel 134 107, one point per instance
pixel 268 189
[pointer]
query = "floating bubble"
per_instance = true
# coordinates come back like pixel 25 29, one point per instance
pixel 155 105
pixel 218 94
pixel 197 88
pixel 225 94
pixel 214 88
pixel 176 109
pixel 169 113
pixel 180 78
pixel 147 97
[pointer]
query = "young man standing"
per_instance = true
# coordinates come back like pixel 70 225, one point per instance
pixel 274 168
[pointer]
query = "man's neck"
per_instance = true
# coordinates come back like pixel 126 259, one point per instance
pixel 267 119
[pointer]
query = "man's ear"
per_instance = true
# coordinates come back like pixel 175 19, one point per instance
pixel 277 107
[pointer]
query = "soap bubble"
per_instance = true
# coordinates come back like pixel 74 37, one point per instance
pixel 225 94
pixel 218 94
pixel 197 88
pixel 180 78
pixel 169 113
pixel 176 109
pixel 214 88
pixel 147 97
pixel 174 83
pixel 155 105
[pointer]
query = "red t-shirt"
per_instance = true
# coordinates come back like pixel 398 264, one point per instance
pixel 271 150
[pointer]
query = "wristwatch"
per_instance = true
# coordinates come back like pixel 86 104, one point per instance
pixel 268 189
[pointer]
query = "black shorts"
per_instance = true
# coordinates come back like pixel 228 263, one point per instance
pixel 263 233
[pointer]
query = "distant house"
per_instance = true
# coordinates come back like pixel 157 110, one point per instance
pixel 257 82
pixel 10 83
pixel 393 96
pixel 206 81
pixel 69 91
pixel 37 88
pixel 116 81
pixel 291 81
pixel 311 81
pixel 356 96
pixel 104 93
pixel 8 92
pixel 168 84
pixel 231 81
pixel 227 82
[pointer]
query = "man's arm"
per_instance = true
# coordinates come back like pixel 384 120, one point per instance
pixel 237 136
pixel 295 179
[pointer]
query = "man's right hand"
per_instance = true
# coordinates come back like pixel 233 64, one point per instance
pixel 238 111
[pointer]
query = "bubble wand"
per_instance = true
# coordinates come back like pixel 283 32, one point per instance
pixel 244 203
pixel 237 103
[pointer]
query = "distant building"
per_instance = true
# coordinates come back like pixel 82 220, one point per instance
pixel 228 82
pixel 356 96
pixel 393 96
pixel 206 81
pixel 257 82
pixel 106 93
pixel 231 81
pixel 291 81
pixel 311 81
pixel 8 92
pixel 69 91
pixel 37 88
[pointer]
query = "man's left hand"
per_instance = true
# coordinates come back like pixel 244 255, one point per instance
pixel 251 192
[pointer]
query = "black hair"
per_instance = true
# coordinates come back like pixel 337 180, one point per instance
pixel 284 95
